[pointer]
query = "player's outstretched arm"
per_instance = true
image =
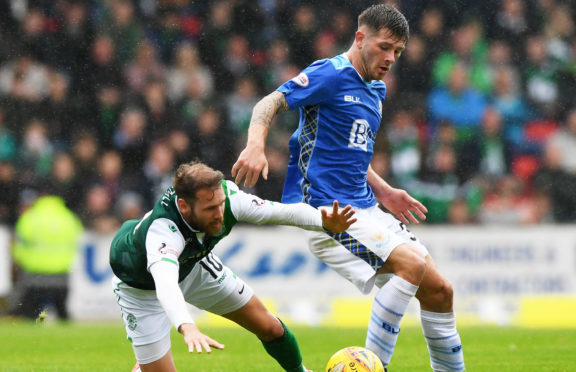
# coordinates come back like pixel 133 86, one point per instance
pixel 338 221
pixel 170 296
pixel 196 340
pixel 252 160
pixel 397 201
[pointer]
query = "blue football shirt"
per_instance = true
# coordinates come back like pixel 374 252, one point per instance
pixel 331 150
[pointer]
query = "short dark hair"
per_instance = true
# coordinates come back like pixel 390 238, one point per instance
pixel 193 176
pixel 381 16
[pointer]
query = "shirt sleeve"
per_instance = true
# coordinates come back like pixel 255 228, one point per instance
pixel 168 291
pixel 312 86
pixel 251 208
pixel 164 242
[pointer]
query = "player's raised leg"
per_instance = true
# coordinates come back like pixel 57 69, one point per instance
pixel 391 300
pixel 439 322
pixel 277 339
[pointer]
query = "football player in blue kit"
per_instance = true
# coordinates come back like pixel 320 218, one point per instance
pixel 340 102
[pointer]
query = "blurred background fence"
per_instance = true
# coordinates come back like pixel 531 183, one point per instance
pixel 501 276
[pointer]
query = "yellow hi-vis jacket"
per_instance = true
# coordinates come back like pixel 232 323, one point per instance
pixel 47 237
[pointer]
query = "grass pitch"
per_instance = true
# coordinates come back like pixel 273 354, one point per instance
pixel 84 347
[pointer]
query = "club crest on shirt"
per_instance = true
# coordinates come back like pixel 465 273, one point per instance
pixel 380 240
pixel 301 79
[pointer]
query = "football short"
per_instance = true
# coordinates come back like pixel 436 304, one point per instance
pixel 210 286
pixel 359 252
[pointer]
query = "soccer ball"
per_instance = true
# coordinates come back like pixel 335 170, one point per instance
pixel 354 358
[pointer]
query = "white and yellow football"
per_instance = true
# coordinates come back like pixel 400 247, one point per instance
pixel 354 358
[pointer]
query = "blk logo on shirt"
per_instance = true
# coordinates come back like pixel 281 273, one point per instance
pixel 348 98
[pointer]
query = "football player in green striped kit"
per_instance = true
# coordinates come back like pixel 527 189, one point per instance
pixel 165 260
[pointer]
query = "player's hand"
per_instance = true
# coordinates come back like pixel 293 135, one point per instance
pixel 251 162
pixel 338 221
pixel 403 206
pixel 196 340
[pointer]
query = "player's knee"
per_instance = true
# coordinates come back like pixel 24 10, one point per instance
pixel 446 292
pixel 413 270
pixel 418 267
pixel 270 329
pixel 438 297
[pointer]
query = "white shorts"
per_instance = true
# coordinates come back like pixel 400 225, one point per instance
pixel 358 253
pixel 210 286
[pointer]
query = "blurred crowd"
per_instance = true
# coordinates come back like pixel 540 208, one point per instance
pixel 100 100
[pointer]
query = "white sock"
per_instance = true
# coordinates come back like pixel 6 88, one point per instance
pixel 443 341
pixel 388 309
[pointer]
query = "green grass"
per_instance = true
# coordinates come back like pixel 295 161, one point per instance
pixel 26 346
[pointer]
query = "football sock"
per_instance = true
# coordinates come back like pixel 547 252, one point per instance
pixel 443 341
pixel 286 351
pixel 388 309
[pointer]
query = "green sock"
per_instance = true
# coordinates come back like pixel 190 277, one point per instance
pixel 286 351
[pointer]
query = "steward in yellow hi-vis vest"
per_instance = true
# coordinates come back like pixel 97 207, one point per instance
pixel 46 241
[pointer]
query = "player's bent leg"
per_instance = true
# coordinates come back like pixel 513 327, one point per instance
pixel 439 322
pixel 435 292
pixel 406 262
pixel 276 338
pixel 256 318
pixel 369 248
pixel 392 299
pixel 155 357
pixel 230 297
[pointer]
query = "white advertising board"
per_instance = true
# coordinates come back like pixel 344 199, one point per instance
pixel 490 268
pixel 91 295
pixel 505 261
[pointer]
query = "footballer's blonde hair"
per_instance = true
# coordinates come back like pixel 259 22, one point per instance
pixel 193 176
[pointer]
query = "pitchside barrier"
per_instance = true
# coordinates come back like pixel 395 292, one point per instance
pixel 520 276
